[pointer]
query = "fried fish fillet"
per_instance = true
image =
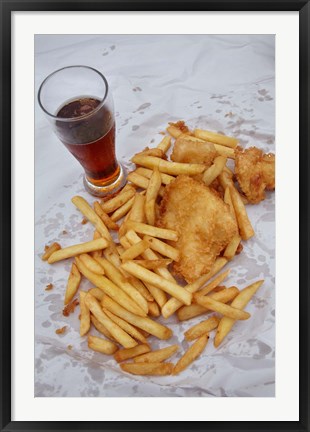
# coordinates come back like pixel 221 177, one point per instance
pixel 203 221
pixel 188 151
pixel 255 172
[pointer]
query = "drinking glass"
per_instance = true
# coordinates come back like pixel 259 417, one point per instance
pixel 78 103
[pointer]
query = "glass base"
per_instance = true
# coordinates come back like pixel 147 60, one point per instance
pixel 110 188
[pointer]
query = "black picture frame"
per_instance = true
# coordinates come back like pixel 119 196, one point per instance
pixel 6 9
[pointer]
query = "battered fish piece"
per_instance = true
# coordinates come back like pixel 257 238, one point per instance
pixel 203 221
pixel 187 151
pixel 255 172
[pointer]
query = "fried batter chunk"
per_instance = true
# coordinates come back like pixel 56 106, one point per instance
pixel 188 151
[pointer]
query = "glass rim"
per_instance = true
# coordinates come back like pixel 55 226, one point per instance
pixel 67 119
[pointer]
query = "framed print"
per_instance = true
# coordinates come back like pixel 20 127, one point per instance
pixel 154 203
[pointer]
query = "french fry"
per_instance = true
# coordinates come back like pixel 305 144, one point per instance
pixel 191 354
pixel 131 330
pixel 225 151
pixel 128 353
pixel 119 334
pixel 134 250
pixel 214 170
pixel 142 182
pixel 151 196
pixel 140 287
pixel 162 233
pixel 50 250
pixel 73 283
pixel 153 264
pixel 163 248
pixel 97 293
pixel 137 210
pixel 216 306
pixel 101 345
pixel 78 249
pixel 227 200
pixel 173 304
pixel 165 144
pixel 216 281
pixel 224 296
pixel 124 242
pixel 91 264
pixel 245 227
pixel 105 217
pixel 158 369
pixel 96 253
pixel 157 152
pixel 152 327
pixel 100 327
pixel 90 214
pixel 110 289
pixel 216 138
pixel 85 315
pixel 123 210
pixel 153 309
pixel 239 302
pixel 117 278
pixel 202 328
pixel 232 247
pixel 146 172
pixel 174 131
pixel 158 294
pixel 119 200
pixel 149 277
pixel 173 168
pixel 158 355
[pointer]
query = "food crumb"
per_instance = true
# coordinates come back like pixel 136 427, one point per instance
pixel 69 347
pixel 84 221
pixel 61 330
pixel 45 248
pixel 49 287
pixel 65 232
pixel 70 308
pixel 162 133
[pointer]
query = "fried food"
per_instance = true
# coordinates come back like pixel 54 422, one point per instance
pixel 203 222
pixel 255 172
pixel 188 151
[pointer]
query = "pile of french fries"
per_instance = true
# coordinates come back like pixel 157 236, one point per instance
pixel 132 284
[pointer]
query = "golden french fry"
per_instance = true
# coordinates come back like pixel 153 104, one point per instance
pixel 78 249
pixel 152 327
pixel 100 327
pixel 137 210
pixel 225 151
pixel 97 293
pixel 174 131
pixel 96 253
pixel 149 277
pixel 191 354
pixel 91 264
pixel 119 200
pixel 153 309
pixel 73 283
pixel 174 168
pixel 239 302
pixel 105 217
pixel 153 231
pixel 117 278
pixel 119 334
pixel 101 345
pixel 158 355
pixel 158 294
pixel 85 315
pixel 224 296
pixel 110 289
pixel 163 248
pixel 158 369
pixel 216 281
pixel 216 306
pixel 232 247
pixel 50 250
pixel 135 250
pixel 90 214
pixel 146 172
pixel 142 182
pixel 140 287
pixel 214 170
pixel 227 200
pixel 152 152
pixel 216 138
pixel 153 264
pixel 245 227
pixel 124 242
pixel 202 328
pixel 123 210
pixel 165 144
pixel 131 330
pixel 151 196
pixel 173 304
pixel 128 353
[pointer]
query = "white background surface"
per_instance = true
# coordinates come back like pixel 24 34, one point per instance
pixel 179 115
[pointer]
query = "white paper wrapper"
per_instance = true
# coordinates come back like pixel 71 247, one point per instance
pixel 221 83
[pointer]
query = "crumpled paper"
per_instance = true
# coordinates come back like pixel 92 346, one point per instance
pixel 221 83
